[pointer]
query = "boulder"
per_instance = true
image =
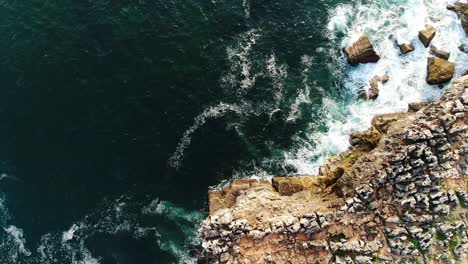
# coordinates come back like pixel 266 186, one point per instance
pixel 374 86
pixel 426 35
pixel 440 53
pixel 463 48
pixel 439 70
pixel 385 78
pixel 461 9
pixel 361 51
pixel 416 106
pixel 406 48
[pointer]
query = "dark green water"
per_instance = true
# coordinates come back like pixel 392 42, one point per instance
pixel 96 95
pixel 117 116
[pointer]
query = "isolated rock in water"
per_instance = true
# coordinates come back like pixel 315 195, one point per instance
pixel 440 53
pixel 463 48
pixel 439 70
pixel 385 78
pixel 374 86
pixel 462 11
pixel 416 106
pixel 406 48
pixel 361 51
pixel 426 35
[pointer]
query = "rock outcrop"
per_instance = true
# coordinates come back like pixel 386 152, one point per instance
pixel 426 35
pixel 399 194
pixel 361 51
pixel 439 70
pixel 462 11
pixel 406 48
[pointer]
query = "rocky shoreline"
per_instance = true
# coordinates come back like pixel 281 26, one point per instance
pixel 399 194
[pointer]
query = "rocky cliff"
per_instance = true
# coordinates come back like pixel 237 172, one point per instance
pixel 399 194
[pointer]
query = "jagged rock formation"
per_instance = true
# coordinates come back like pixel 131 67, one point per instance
pixel 426 35
pixel 397 195
pixel 462 11
pixel 439 70
pixel 361 51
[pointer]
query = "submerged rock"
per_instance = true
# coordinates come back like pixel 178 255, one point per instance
pixel 440 53
pixel 426 35
pixel 463 48
pixel 406 48
pixel 361 51
pixel 439 71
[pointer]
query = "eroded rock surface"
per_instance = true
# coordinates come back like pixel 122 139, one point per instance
pixel 398 195
pixel 361 51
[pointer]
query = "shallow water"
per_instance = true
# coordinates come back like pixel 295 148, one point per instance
pixel 118 117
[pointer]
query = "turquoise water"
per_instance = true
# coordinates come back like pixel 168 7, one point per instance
pixel 116 117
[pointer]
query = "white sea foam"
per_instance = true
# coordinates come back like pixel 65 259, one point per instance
pixel 155 207
pixel 88 259
pixel 17 236
pixel 68 235
pixel 212 112
pixel 246 6
pixel 118 216
pixel 278 74
pixel 379 20
pixel 303 95
pixel 239 58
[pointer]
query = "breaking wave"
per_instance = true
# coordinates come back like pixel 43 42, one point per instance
pixel 384 22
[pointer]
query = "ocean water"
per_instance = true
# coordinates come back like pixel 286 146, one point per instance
pixel 116 117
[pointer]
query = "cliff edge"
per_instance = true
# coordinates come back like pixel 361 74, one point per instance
pixel 399 194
